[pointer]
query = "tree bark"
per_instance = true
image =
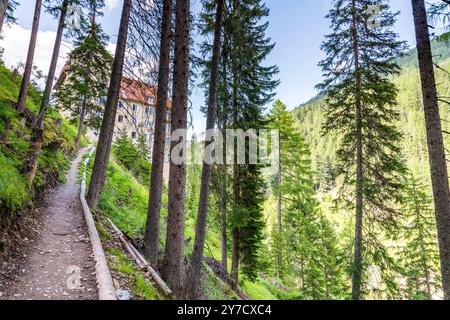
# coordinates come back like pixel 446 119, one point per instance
pixel 5 133
pixel 30 57
pixel 194 280
pixel 37 135
pixel 224 193
pixel 279 208
pixel 151 238
pixel 173 268
pixel 235 231
pixel 107 129
pixel 81 125
pixel 357 262
pixel 436 149
pixel 3 8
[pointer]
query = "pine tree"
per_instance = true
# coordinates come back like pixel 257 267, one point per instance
pixel 440 11
pixel 87 76
pixel 193 283
pixel 125 151
pixel 251 88
pixel 306 240
pixel 173 262
pixel 435 140
pixel 420 255
pixel 7 8
pixel 58 9
pixel 109 116
pixel 30 57
pixel 361 102
pixel 151 237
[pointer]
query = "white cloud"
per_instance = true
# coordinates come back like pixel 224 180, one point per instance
pixel 111 4
pixel 15 42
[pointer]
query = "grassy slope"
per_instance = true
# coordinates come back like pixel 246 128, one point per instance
pixel 14 191
pixel 125 200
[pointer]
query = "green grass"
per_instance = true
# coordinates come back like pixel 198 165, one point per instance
pixel 140 286
pixel 13 186
pixel 58 148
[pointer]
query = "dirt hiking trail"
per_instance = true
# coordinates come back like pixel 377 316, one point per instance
pixel 58 263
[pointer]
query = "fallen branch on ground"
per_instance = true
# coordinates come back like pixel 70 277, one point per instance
pixel 141 261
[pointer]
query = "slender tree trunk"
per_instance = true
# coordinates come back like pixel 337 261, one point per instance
pixel 107 130
pixel 37 135
pixel 81 125
pixel 357 263
pixel 224 193
pixel 436 150
pixel 5 133
pixel 235 231
pixel 193 280
pixel 3 8
pixel 173 271
pixel 279 207
pixel 151 238
pixel 30 57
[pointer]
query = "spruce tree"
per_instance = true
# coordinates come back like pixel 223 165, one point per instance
pixel 252 86
pixel 440 12
pixel 361 107
pixel 7 8
pixel 304 236
pixel 87 76
pixel 420 256
pixel 58 9
pixel 102 154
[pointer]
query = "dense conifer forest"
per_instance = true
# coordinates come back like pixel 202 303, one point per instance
pixel 110 187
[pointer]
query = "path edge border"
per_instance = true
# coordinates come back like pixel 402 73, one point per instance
pixel 105 285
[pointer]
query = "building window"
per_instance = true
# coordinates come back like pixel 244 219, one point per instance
pixel 150 100
pixel 134 121
pixel 121 105
pixel 133 135
pixel 135 108
pixel 120 118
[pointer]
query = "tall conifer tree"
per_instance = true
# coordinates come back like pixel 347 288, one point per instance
pixel 88 73
pixel 361 100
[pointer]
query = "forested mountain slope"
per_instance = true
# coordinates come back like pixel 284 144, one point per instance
pixel 411 122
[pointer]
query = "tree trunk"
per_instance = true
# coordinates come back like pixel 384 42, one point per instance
pixel 30 57
pixel 193 280
pixel 107 130
pixel 81 125
pixel 5 133
pixel 3 8
pixel 173 270
pixel 151 238
pixel 279 207
pixel 357 263
pixel 235 231
pixel 224 193
pixel 37 135
pixel 436 150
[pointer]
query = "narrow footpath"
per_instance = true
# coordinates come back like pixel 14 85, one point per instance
pixel 58 263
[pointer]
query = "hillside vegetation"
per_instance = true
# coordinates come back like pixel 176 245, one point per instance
pixel 58 148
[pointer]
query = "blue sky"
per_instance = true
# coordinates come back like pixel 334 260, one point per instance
pixel 296 26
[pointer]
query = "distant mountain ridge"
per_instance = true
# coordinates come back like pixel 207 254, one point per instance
pixel 411 122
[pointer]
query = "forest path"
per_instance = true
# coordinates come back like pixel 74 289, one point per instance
pixel 59 263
